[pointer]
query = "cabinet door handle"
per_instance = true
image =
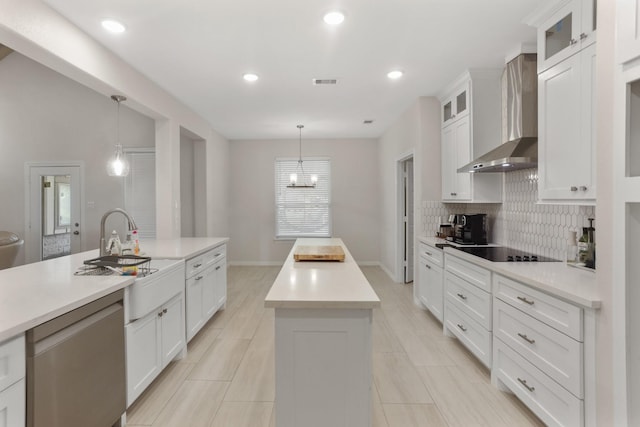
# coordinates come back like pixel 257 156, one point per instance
pixel 164 311
pixel 583 188
pixel 462 327
pixel 160 314
pixel 524 383
pixel 454 194
pixel 428 253
pixel 526 338
pixel 197 265
pixel 217 255
pixel 583 36
pixel 462 296
pixel 428 266
pixel 573 188
pixel 199 277
pixel 526 301
pixel 573 42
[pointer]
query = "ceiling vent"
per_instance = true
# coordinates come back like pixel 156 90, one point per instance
pixel 325 81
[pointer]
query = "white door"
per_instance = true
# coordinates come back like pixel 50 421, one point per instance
pixel 140 190
pixel 54 210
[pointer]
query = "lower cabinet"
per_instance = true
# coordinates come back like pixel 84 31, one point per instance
pixel 152 342
pixel 467 315
pixel 206 288
pixel 430 280
pixel 539 352
pixel 12 382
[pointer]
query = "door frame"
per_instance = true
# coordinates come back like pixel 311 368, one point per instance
pixel 33 232
pixel 400 240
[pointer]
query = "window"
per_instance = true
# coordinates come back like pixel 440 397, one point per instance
pixel 303 212
pixel 140 190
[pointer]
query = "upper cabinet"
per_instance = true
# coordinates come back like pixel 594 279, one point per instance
pixel 471 117
pixel 627 30
pixel 566 101
pixel 564 28
pixel 455 106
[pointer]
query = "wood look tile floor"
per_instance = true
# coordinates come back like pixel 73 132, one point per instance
pixel 420 377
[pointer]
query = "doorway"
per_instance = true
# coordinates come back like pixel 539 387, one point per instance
pixel 405 215
pixel 53 210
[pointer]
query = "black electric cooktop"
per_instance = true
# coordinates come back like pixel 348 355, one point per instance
pixel 504 254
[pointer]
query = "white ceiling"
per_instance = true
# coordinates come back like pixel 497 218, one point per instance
pixel 198 50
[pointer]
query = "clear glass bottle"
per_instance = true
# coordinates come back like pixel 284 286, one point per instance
pixel 583 246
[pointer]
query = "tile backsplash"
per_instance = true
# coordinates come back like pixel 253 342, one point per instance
pixel 518 222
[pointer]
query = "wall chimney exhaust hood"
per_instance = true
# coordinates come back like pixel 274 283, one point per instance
pixel 519 120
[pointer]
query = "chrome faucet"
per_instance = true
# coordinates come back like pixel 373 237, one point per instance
pixel 132 226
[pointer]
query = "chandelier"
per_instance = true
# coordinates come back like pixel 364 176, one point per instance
pixel 293 178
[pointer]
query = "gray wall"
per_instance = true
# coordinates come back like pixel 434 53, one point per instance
pixel 47 117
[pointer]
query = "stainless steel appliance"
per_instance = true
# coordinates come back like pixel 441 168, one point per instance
pixel 519 120
pixel 76 367
pixel 471 229
pixel 505 254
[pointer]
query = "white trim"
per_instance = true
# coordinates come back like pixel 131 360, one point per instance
pixel 28 166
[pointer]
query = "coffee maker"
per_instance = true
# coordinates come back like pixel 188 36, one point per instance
pixel 471 229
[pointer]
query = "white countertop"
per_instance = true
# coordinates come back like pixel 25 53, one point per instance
pixel 35 293
pixel 321 284
pixel 180 248
pixel 555 278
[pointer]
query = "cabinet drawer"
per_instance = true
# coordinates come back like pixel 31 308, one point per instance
pixel 554 353
pixel 476 338
pixel 434 255
pixel 12 361
pixel 560 315
pixel 214 255
pixel 195 265
pixel 473 301
pixel 148 293
pixel 478 276
pixel 548 400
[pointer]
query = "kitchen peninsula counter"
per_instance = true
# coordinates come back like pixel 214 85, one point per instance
pixel 323 344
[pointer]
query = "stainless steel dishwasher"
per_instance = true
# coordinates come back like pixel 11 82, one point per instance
pixel 76 367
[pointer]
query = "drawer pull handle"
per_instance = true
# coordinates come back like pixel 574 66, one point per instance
pixel 428 253
pixel 462 296
pixel 217 255
pixel 527 386
pixel 218 268
pixel 197 265
pixel 526 338
pixel 199 278
pixel 164 311
pixel 462 328
pixel 428 266
pixel 526 301
pixel 160 314
pixel 573 188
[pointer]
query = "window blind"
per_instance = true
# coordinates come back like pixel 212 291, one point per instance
pixel 303 212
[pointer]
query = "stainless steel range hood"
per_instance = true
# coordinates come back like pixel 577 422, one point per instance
pixel 519 121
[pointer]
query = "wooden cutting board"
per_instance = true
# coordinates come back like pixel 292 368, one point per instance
pixel 318 253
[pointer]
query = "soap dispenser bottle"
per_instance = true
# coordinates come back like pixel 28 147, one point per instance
pixel 114 247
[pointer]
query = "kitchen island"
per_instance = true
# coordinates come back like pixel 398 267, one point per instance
pixel 323 317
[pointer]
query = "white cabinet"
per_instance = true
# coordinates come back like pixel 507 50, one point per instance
pixel 152 342
pixel 12 382
pixel 456 152
pixel 539 351
pixel 471 117
pixel 627 30
pixel 206 288
pixel 456 105
pixel 430 281
pixel 467 311
pixel 567 137
pixel 564 28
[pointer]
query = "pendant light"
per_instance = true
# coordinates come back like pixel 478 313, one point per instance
pixel 118 164
pixel 293 178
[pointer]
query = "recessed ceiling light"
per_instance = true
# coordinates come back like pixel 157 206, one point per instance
pixel 334 18
pixel 250 77
pixel 395 74
pixel 113 26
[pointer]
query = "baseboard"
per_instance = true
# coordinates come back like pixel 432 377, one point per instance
pixel 254 263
